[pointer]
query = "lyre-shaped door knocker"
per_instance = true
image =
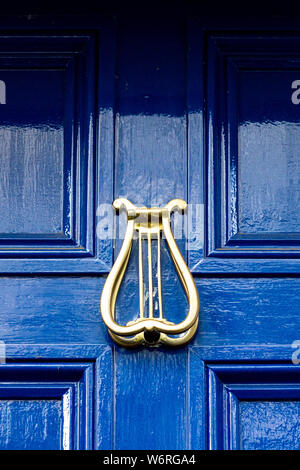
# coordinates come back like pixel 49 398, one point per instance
pixel 151 330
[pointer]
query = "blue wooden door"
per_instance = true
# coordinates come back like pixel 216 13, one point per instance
pixel 172 104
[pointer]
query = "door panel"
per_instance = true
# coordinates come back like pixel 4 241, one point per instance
pixel 62 403
pixel 50 163
pixel 251 136
pixel 32 124
pixel 46 406
pixel 268 136
pixel 19 418
pixel 254 406
pixel 269 434
pixel 246 402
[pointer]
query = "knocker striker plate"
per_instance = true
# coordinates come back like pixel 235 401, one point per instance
pixel 150 330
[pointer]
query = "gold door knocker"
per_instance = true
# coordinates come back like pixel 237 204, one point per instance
pixel 149 223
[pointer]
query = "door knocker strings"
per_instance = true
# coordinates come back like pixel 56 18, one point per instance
pixel 149 223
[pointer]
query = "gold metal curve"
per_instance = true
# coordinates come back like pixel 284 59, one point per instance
pixel 150 330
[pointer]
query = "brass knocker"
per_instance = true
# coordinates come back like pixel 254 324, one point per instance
pixel 149 223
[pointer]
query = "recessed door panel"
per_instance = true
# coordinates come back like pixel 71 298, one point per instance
pixel 269 425
pixel 46 406
pixel 49 110
pixel 33 143
pixel 31 424
pixel 268 156
pixel 251 148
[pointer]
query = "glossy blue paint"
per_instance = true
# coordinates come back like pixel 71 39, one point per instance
pixel 151 400
pixel 171 104
pixel 251 123
pixel 251 406
pixel 33 112
pixel 47 405
pixel 52 140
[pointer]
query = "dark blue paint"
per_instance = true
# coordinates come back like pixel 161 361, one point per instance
pixel 151 107
pixel 47 406
pixel 34 112
pixel 151 396
pixel 250 406
pixel 52 130
pixel 266 209
pixel 251 154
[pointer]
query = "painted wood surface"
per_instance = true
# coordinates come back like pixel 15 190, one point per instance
pixel 171 104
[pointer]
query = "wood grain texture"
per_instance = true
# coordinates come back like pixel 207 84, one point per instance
pixel 50 183
pixel 47 405
pixel 158 105
pixel 276 425
pixel 233 311
pixel 250 405
pixel 23 418
pixel 51 310
pixel 246 142
pixel 151 162
pixel 241 311
pixel 32 174
pixel 151 400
